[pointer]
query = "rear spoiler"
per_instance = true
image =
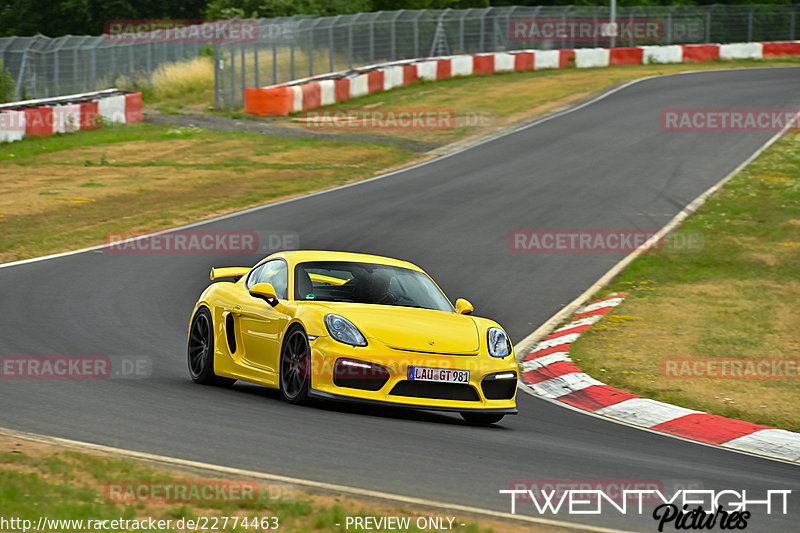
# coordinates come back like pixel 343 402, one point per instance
pixel 229 272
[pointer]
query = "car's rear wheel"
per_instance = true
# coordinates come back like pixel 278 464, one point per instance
pixel 201 351
pixel 481 419
pixel 295 367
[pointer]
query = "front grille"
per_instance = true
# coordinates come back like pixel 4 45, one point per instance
pixel 356 375
pixel 435 390
pixel 499 389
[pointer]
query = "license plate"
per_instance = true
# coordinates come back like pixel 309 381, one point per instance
pixel 446 375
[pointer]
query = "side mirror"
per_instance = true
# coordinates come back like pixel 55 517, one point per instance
pixel 463 307
pixel 265 291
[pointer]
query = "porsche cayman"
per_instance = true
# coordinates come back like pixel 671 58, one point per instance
pixel 351 327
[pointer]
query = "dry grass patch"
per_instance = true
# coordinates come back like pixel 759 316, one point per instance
pixel 508 98
pixel 161 180
pixel 43 480
pixel 191 81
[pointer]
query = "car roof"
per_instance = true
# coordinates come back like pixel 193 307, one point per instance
pixel 304 256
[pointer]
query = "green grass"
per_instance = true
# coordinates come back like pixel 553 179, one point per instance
pixel 88 184
pixel 68 485
pixel 145 177
pixel 737 297
pixel 506 98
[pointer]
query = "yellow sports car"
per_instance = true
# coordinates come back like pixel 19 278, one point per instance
pixel 351 327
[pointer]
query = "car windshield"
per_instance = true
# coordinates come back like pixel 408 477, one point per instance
pixel 367 283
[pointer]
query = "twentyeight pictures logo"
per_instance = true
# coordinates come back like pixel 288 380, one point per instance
pixel 679 510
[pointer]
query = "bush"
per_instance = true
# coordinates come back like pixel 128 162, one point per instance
pixel 6 85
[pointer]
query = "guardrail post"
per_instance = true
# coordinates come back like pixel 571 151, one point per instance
pixel 372 37
pixel 218 64
pixel 630 21
pixel 483 24
pixel 709 9
pixel 507 30
pixel 291 60
pixel 330 42
pixel 750 23
pixel 243 68
pixel 131 67
pixel 416 32
pixel 669 24
pixel 311 50
pixel 274 62
pixel 232 90
pixel 23 64
pixel 394 33
pixel 93 82
pixel 149 59
pixel 566 10
pixel 255 65
pixel 57 67
pixel 461 49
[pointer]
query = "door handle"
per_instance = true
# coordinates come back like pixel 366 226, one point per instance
pixel 235 310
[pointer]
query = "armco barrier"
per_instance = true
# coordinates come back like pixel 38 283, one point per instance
pixel 311 93
pixel 40 118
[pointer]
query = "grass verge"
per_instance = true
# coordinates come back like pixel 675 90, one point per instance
pixel 37 480
pixel 484 103
pixel 68 191
pixel 736 298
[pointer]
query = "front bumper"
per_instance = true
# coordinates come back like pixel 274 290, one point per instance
pixel 398 391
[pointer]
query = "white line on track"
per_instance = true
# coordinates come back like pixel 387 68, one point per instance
pixel 531 341
pixel 522 348
pixel 381 176
pixel 316 485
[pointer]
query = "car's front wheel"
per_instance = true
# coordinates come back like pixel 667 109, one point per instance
pixel 481 419
pixel 295 367
pixel 201 351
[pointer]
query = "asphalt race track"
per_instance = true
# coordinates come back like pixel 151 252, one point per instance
pixel 605 166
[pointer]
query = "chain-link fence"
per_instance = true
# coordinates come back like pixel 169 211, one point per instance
pixel 288 49
pixel 41 67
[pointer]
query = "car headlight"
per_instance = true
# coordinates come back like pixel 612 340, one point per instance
pixel 344 331
pixel 499 345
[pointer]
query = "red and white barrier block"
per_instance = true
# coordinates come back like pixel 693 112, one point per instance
pixel 40 118
pixel 548 371
pixel 311 93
